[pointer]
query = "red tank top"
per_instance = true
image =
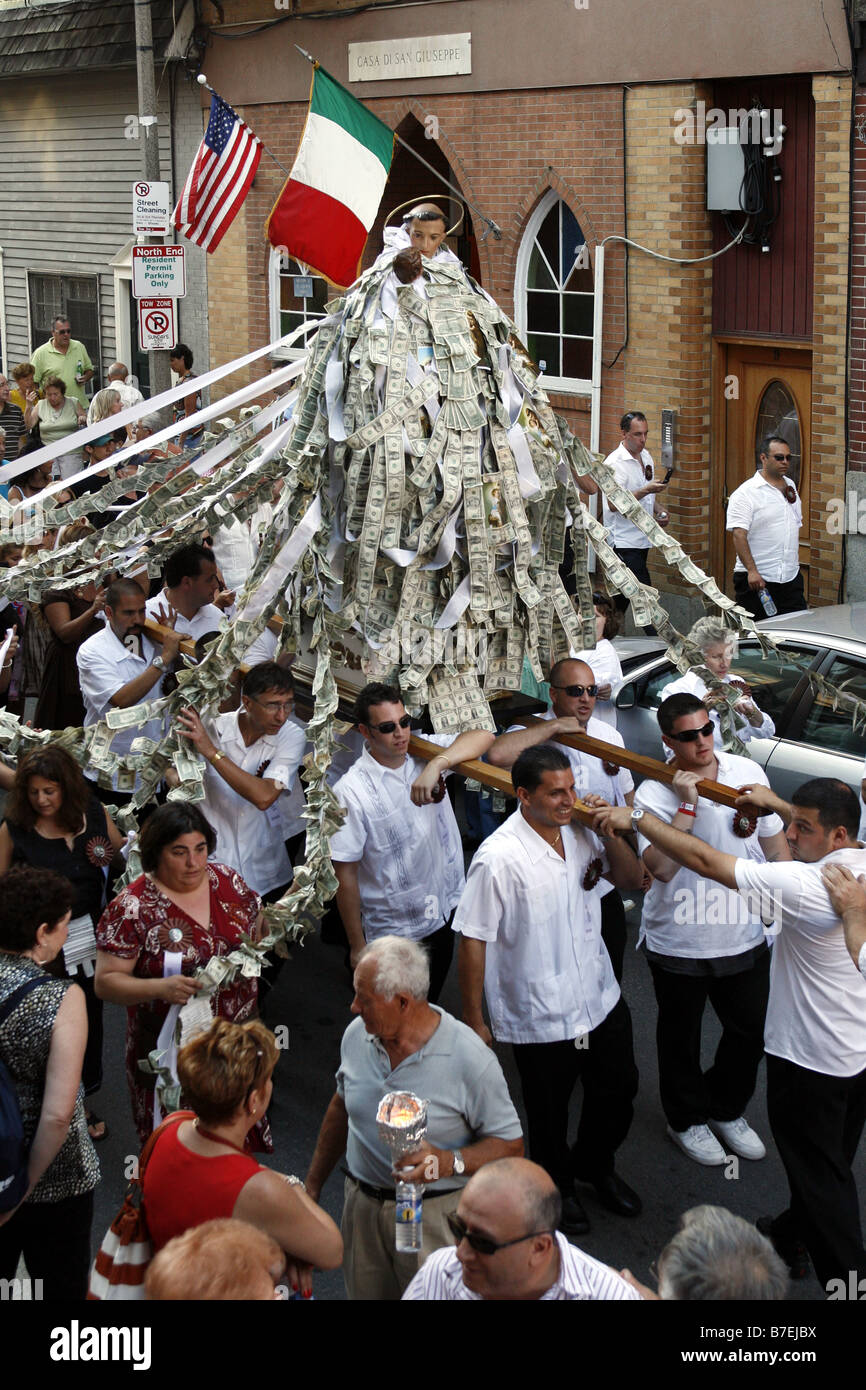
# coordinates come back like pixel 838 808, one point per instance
pixel 181 1189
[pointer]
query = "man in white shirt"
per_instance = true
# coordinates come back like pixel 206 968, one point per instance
pixel 573 695
pixel 530 925
pixel 129 395
pixel 765 515
pixel 701 944
pixel 253 755
pixel 191 585
pixel 508 1247
pixel 119 667
pixel 815 1035
pixel 398 856
pixel 848 896
pixel 632 463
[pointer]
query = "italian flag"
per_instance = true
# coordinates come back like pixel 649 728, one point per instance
pixel 329 201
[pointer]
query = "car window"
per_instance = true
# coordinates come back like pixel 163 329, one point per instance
pixel 774 677
pixel 829 728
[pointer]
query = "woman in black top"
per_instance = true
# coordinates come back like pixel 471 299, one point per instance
pixel 53 821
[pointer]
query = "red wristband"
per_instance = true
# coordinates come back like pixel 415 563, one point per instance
pixel 686 810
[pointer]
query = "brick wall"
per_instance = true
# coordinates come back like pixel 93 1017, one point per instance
pixel 505 150
pixel 832 127
pixel 668 360
pixel 857 402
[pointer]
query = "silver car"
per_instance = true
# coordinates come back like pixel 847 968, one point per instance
pixel 812 739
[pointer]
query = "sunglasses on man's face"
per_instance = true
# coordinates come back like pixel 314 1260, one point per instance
pixel 390 725
pixel 692 735
pixel 483 1245
pixel 575 691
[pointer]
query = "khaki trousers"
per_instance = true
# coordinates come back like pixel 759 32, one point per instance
pixel 372 1268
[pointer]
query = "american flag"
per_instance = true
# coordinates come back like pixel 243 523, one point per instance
pixel 219 179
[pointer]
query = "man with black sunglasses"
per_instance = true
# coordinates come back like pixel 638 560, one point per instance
pixel 398 856
pixel 573 694
pixel 765 516
pixel 703 943
pixel 508 1247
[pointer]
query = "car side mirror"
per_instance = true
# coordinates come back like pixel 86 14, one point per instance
pixel 626 697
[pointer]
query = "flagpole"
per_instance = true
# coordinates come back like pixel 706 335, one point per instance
pixel 203 82
pixel 491 225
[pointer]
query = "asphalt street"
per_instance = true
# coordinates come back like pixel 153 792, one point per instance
pixel 312 998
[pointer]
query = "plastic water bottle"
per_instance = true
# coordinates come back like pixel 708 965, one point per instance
pixel 767 603
pixel 409 1216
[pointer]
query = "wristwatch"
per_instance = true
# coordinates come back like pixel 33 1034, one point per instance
pixel 636 815
pixel 158 663
pixel 459 1166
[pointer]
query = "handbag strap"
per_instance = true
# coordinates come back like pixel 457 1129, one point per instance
pixel 175 1118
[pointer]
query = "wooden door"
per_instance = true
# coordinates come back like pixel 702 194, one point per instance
pixel 767 390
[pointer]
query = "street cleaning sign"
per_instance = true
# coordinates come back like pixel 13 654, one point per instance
pixel 151 209
pixel 159 272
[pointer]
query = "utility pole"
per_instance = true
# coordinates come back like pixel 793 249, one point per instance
pixel 160 371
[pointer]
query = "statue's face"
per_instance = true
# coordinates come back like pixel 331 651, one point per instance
pixel 426 237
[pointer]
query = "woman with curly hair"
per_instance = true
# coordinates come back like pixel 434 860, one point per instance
pixel 154 936
pixel 53 821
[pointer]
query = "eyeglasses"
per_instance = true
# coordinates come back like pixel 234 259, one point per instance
pixel 781 458
pixel 390 725
pixel 483 1245
pixel 62 332
pixel 575 691
pixel 283 707
pixel 692 735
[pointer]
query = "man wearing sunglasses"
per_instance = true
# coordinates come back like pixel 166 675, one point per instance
pixel 530 924
pixel 703 945
pixel 573 695
pixel 398 856
pixel 815 1035
pixel 66 357
pixel 508 1247
pixel 765 515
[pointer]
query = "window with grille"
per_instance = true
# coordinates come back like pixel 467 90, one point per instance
pixel 76 298
pixel 554 296
pixel 298 297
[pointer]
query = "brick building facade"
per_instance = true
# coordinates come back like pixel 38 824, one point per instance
pixel 722 345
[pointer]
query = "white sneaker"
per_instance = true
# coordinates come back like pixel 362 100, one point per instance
pixel 738 1137
pixel 699 1144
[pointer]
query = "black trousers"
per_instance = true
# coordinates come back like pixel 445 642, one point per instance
pixel 689 1095
pixel 607 1070
pixel 789 597
pixel 440 948
pixel 613 930
pixel 54 1238
pixel 817 1121
pixel 634 559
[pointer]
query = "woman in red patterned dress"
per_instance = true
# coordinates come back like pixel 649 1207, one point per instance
pixel 180 907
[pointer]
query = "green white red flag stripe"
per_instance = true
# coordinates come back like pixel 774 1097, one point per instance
pixel 330 199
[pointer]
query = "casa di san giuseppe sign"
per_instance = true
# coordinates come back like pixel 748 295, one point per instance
pixel 387 60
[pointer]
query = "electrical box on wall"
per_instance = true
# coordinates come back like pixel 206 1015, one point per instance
pixel 725 169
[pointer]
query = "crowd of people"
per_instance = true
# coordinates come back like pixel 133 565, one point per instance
pixel 539 925
pixel 760 911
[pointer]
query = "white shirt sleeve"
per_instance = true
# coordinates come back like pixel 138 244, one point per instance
pixel 99 681
pixel 291 746
pixel 740 509
pixel 347 844
pixel 862 960
pixel 480 907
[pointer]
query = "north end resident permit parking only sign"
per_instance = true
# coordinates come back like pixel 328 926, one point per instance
pixel 159 271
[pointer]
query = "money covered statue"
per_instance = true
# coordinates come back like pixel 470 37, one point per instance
pixel 446 482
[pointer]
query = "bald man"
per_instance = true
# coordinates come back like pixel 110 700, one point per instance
pixel 129 395
pixel 508 1247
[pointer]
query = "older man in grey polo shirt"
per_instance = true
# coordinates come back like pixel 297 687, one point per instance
pixel 399 1042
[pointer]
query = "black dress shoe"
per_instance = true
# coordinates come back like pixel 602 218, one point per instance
pixel 574 1220
pixel 617 1196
